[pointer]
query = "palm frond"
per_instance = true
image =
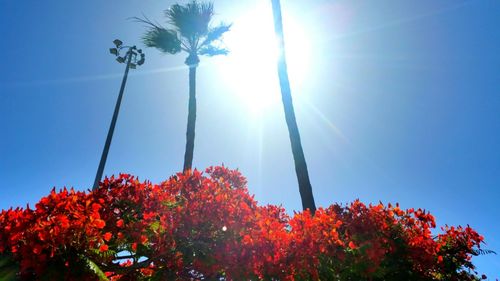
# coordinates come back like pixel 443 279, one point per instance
pixel 216 33
pixel 162 39
pixel 146 21
pixel 210 50
pixel 159 37
pixel 191 20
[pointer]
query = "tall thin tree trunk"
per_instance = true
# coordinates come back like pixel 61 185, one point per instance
pixel 305 187
pixel 192 62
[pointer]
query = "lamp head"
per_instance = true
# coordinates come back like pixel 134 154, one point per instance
pixel 117 43
pixel 141 61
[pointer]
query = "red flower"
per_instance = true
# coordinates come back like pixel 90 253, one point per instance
pixel 96 207
pixel 107 236
pixel 119 223
pixel 103 248
pixel 100 223
pixel 197 224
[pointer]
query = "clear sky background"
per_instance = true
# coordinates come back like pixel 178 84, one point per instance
pixel 397 101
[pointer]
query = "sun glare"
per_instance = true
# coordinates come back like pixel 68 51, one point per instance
pixel 250 68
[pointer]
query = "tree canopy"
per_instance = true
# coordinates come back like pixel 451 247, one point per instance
pixel 190 29
pixel 206 226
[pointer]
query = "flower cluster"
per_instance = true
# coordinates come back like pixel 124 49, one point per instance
pixel 206 226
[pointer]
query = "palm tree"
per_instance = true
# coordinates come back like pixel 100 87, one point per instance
pixel 305 187
pixel 191 32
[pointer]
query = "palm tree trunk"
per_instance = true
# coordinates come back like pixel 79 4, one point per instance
pixel 192 62
pixel 305 187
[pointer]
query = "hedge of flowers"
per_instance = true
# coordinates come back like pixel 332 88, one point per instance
pixel 206 226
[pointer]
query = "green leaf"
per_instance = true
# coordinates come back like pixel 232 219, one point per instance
pixel 156 227
pixel 478 252
pixel 106 255
pixel 8 268
pixel 95 268
pixel 170 204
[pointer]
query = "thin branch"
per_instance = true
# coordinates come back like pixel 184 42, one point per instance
pixel 125 257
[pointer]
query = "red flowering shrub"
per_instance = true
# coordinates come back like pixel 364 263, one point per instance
pixel 207 227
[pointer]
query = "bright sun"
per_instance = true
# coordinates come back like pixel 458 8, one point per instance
pixel 250 67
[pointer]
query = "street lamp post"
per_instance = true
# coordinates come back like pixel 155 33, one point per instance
pixel 133 57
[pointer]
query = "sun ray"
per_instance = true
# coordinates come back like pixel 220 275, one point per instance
pixel 90 78
pixel 326 121
pixel 347 141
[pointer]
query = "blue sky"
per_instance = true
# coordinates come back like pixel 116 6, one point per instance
pixel 397 101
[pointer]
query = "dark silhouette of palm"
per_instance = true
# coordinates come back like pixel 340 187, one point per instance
pixel 191 32
pixel 305 187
